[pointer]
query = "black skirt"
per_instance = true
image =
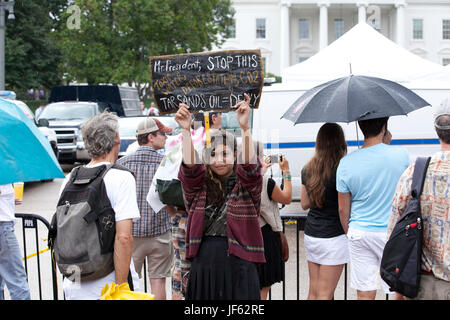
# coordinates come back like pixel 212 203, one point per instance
pixel 215 275
pixel 273 270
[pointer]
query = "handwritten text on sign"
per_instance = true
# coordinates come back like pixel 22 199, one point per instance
pixel 207 81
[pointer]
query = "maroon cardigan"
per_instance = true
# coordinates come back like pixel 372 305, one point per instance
pixel 244 233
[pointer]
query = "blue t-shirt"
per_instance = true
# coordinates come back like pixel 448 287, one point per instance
pixel 371 175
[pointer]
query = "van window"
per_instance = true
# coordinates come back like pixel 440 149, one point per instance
pixel 230 122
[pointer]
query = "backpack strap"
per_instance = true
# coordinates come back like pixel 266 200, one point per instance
pixel 420 172
pixel 107 167
pixel 101 171
pixel 122 167
pixel 73 174
pixel 83 177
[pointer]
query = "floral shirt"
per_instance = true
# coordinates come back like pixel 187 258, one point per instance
pixel 435 204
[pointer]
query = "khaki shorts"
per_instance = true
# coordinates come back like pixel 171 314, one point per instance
pixel 159 253
pixel 432 288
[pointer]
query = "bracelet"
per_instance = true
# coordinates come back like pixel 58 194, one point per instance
pixel 287 172
pixel 287 177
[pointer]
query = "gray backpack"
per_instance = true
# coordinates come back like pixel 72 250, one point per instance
pixel 83 229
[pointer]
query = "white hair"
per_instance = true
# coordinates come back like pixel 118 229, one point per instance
pixel 99 133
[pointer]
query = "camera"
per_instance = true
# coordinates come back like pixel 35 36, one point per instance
pixel 274 158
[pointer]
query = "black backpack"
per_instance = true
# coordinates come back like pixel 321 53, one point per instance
pixel 83 229
pixel 402 256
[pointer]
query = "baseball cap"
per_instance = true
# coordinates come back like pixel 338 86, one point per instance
pixel 441 110
pixel 151 125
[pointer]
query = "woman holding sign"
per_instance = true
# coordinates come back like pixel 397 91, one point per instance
pixel 222 196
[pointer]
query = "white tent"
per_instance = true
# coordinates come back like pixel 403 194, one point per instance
pixel 368 52
pixel 434 80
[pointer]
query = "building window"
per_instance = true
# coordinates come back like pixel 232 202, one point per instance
pixel 301 59
pixel 303 28
pixel 231 31
pixel 260 28
pixel 446 29
pixel 445 61
pixel 417 29
pixel 338 28
pixel 264 64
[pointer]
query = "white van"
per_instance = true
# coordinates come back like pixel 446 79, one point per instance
pixel 415 132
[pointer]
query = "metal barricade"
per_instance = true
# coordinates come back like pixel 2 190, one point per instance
pixel 31 222
pixel 299 219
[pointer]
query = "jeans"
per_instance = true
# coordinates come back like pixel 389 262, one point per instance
pixel 12 272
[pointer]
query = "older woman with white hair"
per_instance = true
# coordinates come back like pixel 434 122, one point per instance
pixel 102 141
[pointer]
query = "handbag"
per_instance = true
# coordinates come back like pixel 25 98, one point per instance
pixel 170 192
pixel 402 255
pixel 284 247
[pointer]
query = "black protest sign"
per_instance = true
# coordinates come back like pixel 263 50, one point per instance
pixel 208 81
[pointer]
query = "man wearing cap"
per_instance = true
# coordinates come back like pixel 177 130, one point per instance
pixel 365 181
pixel 435 206
pixel 152 233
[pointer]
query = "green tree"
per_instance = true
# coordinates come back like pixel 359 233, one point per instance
pixel 31 55
pixel 117 37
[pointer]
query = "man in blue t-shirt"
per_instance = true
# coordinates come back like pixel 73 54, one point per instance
pixel 366 180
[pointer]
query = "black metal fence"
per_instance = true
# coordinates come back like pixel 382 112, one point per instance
pixel 299 221
pixel 30 232
pixel 31 222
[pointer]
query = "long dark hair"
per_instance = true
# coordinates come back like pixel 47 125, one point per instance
pixel 216 190
pixel 330 148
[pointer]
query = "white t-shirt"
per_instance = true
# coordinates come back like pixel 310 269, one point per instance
pixel 121 190
pixel 7 202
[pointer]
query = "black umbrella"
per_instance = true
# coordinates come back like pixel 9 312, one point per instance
pixel 353 98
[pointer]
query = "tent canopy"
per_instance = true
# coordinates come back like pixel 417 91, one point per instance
pixel 434 80
pixel 368 52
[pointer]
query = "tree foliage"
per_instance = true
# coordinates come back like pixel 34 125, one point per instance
pixel 117 37
pixel 31 54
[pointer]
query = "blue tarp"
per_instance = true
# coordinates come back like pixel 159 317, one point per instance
pixel 25 153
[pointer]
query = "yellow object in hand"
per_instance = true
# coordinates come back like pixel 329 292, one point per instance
pixel 208 135
pixel 123 292
pixel 18 190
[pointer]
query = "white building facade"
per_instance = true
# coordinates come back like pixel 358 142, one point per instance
pixel 290 31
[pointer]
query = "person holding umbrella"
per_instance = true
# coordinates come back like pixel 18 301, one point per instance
pixel 366 180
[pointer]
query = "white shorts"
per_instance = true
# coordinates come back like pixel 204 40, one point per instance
pixel 366 250
pixel 327 251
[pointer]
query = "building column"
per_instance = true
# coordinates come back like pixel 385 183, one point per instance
pixel 323 29
pixel 284 36
pixel 362 6
pixel 400 23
